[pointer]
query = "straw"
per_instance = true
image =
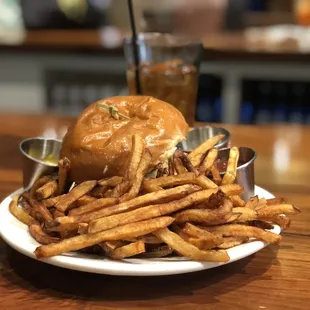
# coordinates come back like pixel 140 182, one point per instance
pixel 134 46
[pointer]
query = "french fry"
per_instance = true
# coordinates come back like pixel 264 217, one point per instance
pixel 157 252
pixel 149 188
pixel 282 220
pixel 47 190
pixel 111 182
pixel 196 232
pixel 237 201
pixel 83 228
pixel 252 203
pixel 229 242
pixel 206 216
pixel 136 154
pixel 37 184
pixel 109 246
pixel 189 250
pixel 178 230
pixel 273 210
pixel 50 202
pixel 276 201
pixel 152 198
pixel 201 238
pixel 57 214
pixel 76 193
pixel 141 171
pixel 26 206
pixel 19 213
pixel 128 250
pixel 109 192
pixel 178 165
pixel 63 220
pixel 40 236
pixel 149 239
pixel 135 157
pixel 173 180
pixel 149 211
pixel 231 171
pixel 262 203
pixel 39 211
pixel 84 200
pixel 185 161
pixel 118 233
pixel 162 196
pixel 215 200
pixel 233 218
pixel 231 189
pixel 205 182
pixel 203 243
pixel 103 223
pixel 65 234
pixel 119 190
pixel 208 162
pixel 246 214
pixel 237 230
pixel 94 206
pixel 196 155
pixel 61 227
pixel 216 176
pixel 64 166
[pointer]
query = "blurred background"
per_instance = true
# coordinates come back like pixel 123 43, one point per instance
pixel 58 56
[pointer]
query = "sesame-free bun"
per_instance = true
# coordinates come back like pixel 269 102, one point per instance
pixel 98 145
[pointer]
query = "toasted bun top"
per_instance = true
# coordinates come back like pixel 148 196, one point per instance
pixel 98 145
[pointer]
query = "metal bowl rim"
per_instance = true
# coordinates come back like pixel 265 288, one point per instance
pixel 35 159
pixel 227 134
pixel 249 161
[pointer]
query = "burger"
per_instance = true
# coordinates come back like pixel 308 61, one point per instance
pixel 98 143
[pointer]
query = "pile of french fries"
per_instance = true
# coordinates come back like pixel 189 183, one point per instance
pixel 188 208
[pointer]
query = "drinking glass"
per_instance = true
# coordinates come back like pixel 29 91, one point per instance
pixel 168 69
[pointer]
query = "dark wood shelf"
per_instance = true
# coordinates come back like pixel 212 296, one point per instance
pixel 223 47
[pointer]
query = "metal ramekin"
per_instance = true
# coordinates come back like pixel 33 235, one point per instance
pixel 245 172
pixel 198 135
pixel 35 167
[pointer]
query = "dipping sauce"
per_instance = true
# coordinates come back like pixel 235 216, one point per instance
pixel 49 159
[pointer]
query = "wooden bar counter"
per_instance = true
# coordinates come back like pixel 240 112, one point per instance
pixel 277 277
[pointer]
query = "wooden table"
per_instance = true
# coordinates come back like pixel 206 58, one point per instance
pixel 277 277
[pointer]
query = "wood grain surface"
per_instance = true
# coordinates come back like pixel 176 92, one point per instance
pixel 278 277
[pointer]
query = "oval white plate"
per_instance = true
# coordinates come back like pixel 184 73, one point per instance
pixel 16 235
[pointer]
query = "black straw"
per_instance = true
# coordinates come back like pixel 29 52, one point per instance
pixel 135 46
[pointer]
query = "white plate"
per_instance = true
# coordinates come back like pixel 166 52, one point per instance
pixel 16 235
